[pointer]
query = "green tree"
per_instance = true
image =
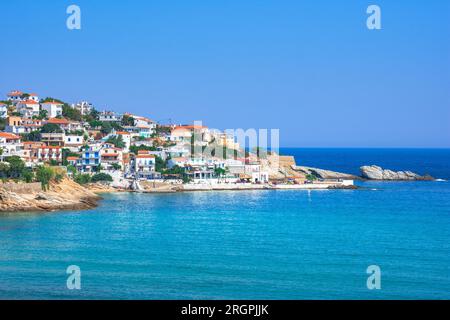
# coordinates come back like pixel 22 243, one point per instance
pixel 219 172
pixel 117 141
pixel 82 178
pixel 43 114
pixel 101 177
pixel 71 113
pixel 106 127
pixel 160 164
pixel 162 130
pixel 175 170
pixel 116 166
pixel 2 123
pixel 135 149
pixel 127 120
pixel 31 136
pixel 4 170
pixel 50 99
pixel 72 169
pixel 28 176
pixel 16 167
pixel 95 124
pixel 44 175
pixel 51 128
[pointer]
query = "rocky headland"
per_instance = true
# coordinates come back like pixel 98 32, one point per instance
pixel 324 174
pixel 63 195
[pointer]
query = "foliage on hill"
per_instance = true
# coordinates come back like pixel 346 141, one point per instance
pixel 117 141
pixel 101 177
pixel 71 113
pixel 135 149
pixel 51 128
pixel 50 99
pixel 127 120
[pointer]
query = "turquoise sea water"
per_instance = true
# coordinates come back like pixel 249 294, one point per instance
pixel 244 244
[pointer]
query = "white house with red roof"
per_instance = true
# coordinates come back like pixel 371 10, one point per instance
pixel 34 97
pixel 48 153
pixel 62 123
pixel 53 108
pixel 111 155
pixel 144 165
pixel 179 134
pixel 28 108
pixel 14 96
pixel 11 144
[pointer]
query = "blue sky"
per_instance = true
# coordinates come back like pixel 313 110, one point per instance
pixel 310 68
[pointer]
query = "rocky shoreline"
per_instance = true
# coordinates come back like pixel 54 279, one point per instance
pixel 69 195
pixel 64 195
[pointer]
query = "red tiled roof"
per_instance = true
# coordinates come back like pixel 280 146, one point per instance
pixel 57 121
pixel 15 93
pixel 29 101
pixel 9 136
pixel 191 127
pixel 145 156
pixel 72 158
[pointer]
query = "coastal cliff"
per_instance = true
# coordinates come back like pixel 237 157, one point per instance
pixel 377 173
pixel 63 195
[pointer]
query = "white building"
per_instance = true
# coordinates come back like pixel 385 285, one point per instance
pixel 3 111
pixel 110 116
pixel 54 109
pixel 34 97
pixel 15 96
pixel 28 108
pixel 48 153
pixel 180 134
pixel 11 144
pixel 144 166
pixel 84 107
pixel 253 169
pixel 73 142
pixel 110 156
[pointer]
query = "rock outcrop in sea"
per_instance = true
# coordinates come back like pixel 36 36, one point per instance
pixel 325 174
pixel 377 173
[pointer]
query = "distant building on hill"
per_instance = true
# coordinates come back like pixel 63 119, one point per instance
pixel 84 107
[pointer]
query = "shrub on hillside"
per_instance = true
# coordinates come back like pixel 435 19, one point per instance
pixel 101 177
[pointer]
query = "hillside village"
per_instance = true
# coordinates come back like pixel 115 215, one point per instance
pixel 125 150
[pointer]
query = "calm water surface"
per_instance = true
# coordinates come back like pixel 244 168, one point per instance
pixel 241 245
